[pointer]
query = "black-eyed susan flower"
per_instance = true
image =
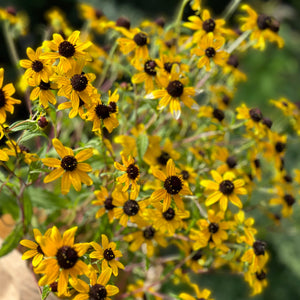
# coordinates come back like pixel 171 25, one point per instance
pixel 101 113
pixel 38 69
pixel 132 173
pixel 174 91
pixel 62 258
pixel 66 50
pixel 212 231
pixel 209 51
pixel 108 254
pixel 257 281
pixel 203 295
pixel 97 289
pixel 149 236
pixel 70 167
pixel 35 251
pixel 231 68
pixel 216 114
pixel 6 101
pixel 173 187
pixel 225 189
pixel 188 173
pixel 136 41
pixel 263 27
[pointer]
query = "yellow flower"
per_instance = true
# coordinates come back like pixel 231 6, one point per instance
pixel 174 186
pixel 62 258
pixel 225 188
pixel 107 253
pixel 257 281
pixel 173 91
pixel 6 101
pixel 97 289
pixel 66 50
pixel 38 69
pixel 70 167
pixel 209 50
pixel 204 294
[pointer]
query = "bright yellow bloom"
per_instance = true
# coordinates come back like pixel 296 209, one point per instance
pixel 225 189
pixel 204 294
pixel 6 101
pixel 107 253
pixel 257 281
pixel 70 167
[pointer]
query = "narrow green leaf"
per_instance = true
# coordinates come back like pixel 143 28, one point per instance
pixel 12 240
pixel 30 135
pixel 46 292
pixel 27 125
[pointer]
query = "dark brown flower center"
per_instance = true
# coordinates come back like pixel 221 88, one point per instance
pixel 53 286
pixel 259 247
pixel 133 171
pixel 131 207
pixel 66 257
pixel 112 106
pixel 279 147
pixel 108 254
pixel 163 158
pixel 39 250
pixel 231 162
pixel 149 233
pixel 173 185
pixel 168 66
pixel 37 66
pixel 97 292
pixel 108 203
pixel 69 163
pixel 226 187
pixel 160 21
pixel 267 22
pixel 102 111
pixel 233 61
pixel 169 214
pixel 288 178
pixel 261 275
pixel 42 122
pixel 44 85
pixel 257 163
pixel 98 13
pixel 213 227
pixel 79 82
pixel 140 39
pixel 175 88
pixel 185 174
pixel 210 52
pixel 289 199
pixel 226 99
pixel 2 98
pixel 209 25
pixel 149 67
pixel 66 49
pixel 218 114
pixel 268 122
pixel 255 114
pixel 197 255
pixel 123 22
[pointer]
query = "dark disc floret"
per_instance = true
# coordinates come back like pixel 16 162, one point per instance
pixel 44 85
pixel 149 67
pixel 257 163
pixel 149 233
pixel 259 247
pixel 123 22
pixel 163 158
pixel 102 111
pixel 197 255
pixel 37 66
pixel 43 122
pixel 108 254
pixel 53 286
pixel 112 106
pixel 267 22
pixel 210 52
pixel 261 275
pixel 39 250
pixel 289 199
pixel 173 185
pixel 2 98
pixel 69 163
pixel 97 292
pixel 140 39
pixel 133 171
pixel 175 88
pixel 226 187
pixel 218 114
pixel 131 207
pixel 169 214
pixel 288 178
pixel 255 114
pixel 209 25
pixel 98 13
pixel 79 82
pixel 160 21
pixel 231 162
pixel 66 257
pixel 213 227
pixel 226 99
pixel 66 49
pixel 268 122
pixel 185 174
pixel 233 61
pixel 168 66
pixel 108 203
pixel 279 147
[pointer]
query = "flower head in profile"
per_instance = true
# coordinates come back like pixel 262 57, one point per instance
pixel 173 92
pixel 225 189
pixel 70 167
pixel 62 258
pixel 6 101
pixel 203 295
pixel 108 254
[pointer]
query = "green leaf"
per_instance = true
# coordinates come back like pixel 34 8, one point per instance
pixel 46 292
pixel 30 135
pixel 12 240
pixel 24 125
pixel 142 143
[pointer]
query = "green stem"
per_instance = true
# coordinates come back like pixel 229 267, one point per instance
pixel 179 17
pixel 232 6
pixel 238 41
